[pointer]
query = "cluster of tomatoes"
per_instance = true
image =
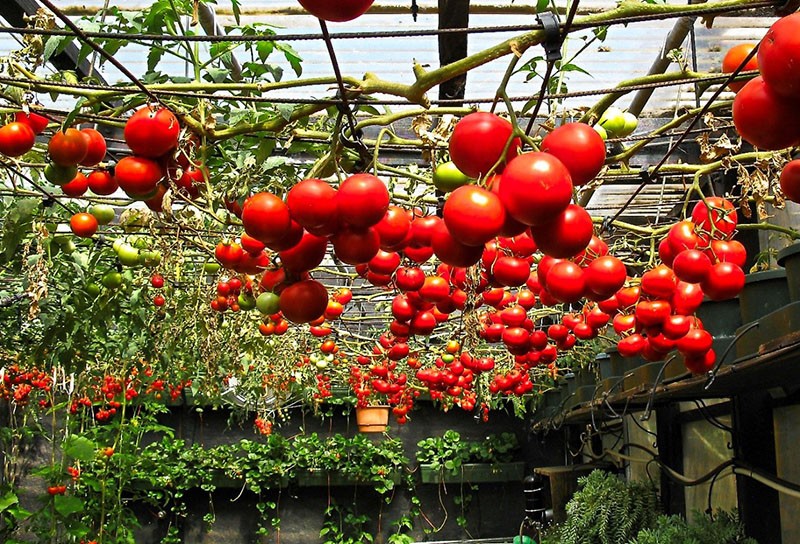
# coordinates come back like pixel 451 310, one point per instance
pixel 765 109
pixel 18 385
pixel 381 378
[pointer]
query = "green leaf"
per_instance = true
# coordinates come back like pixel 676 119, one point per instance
pixel 541 5
pixel 55 45
pixel 67 505
pixel 286 111
pixel 8 500
pixel 237 14
pixel 218 75
pixel 80 448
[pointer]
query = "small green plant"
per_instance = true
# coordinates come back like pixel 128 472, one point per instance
pixel 449 452
pixel 719 528
pixel 606 510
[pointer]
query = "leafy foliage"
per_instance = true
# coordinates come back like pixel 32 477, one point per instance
pixel 606 510
pixel 719 528
pixel 450 452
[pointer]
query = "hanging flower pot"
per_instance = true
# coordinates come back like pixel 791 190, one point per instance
pixel 372 419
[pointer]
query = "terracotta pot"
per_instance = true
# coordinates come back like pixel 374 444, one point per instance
pixel 372 419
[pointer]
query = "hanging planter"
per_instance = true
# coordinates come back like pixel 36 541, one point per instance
pixel 372 419
pixel 789 258
pixel 763 293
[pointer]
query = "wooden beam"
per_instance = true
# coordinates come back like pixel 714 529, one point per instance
pixel 453 47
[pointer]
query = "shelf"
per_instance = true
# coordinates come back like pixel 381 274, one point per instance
pixel 473 473
pixel 775 365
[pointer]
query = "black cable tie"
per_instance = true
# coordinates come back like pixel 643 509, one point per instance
pixel 646 176
pixel 414 10
pixel 552 35
pixel 787 8
pixel 357 145
pixel 48 201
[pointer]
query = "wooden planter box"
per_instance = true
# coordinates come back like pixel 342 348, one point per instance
pixel 474 473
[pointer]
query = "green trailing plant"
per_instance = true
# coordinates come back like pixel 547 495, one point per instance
pixel 449 452
pixel 606 510
pixel 718 528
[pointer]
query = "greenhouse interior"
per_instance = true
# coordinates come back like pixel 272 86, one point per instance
pixel 240 301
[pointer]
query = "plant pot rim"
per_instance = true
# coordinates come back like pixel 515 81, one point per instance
pixel 763 275
pixel 787 252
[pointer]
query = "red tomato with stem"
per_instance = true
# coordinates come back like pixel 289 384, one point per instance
pixel 77 187
pixel 394 228
pixel 724 281
pixel 731 251
pixel 38 123
pixel 566 281
pixel 580 148
pixel 605 276
pixel 138 176
pixel 152 132
pixel 790 180
pixel 102 183
pixel 659 282
pixel 536 188
pixel 68 148
pixel 691 265
pixel 473 215
pixel 716 216
pixel 83 224
pixel 478 142
pixel 764 119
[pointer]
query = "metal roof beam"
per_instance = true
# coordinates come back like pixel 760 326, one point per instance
pixel 15 11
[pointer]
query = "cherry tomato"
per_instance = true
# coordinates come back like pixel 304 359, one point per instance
pixel 580 148
pixel 478 142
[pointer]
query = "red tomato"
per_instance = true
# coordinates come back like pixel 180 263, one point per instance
pixel 779 56
pixel 77 187
pixel 394 228
pixel 38 123
pixel 354 245
pixel 338 11
pixel 138 176
pixel 434 289
pixel 16 139
pixel 701 363
pixel 580 148
pixel 451 251
pixel 652 313
pixel 409 278
pixel 362 200
pixel 536 188
pixel 304 301
pixel 312 203
pixel 682 236
pixel 423 323
pixel 687 298
pixel 473 215
pixel 511 271
pixel 765 119
pixel 191 180
pixel 152 132
pixel 731 251
pixel 605 276
pixel 691 265
pixel 384 262
pixel 101 182
pixel 68 148
pixel 290 239
pixel 631 346
pixel 790 180
pixel 265 217
pixel 565 235
pixel 251 245
pixel 478 142
pixel 734 58
pixel 596 248
pixel 676 326
pixel 156 202
pixel 96 144
pixel 720 220
pixel 228 255
pixel 83 225
pixel 724 281
pixel 566 281
pixel 695 343
pixel 659 282
pixel 628 296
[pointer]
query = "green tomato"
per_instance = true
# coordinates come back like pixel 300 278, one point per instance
pixel 613 120
pixel 631 122
pixel 112 280
pixel 321 363
pixel 601 131
pixel 150 258
pixel 93 289
pixel 447 177
pixel 128 255
pixel 268 303
pixel 246 302
pixel 448 358
pixel 211 267
pixel 60 175
pixel 524 539
pixel 104 213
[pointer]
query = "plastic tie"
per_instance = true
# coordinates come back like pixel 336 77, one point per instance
pixel 552 35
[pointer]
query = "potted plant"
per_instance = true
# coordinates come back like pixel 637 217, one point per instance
pixel 449 459
pixel 789 259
